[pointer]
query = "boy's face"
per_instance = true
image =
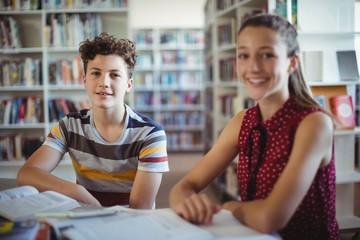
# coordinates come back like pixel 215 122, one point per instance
pixel 106 81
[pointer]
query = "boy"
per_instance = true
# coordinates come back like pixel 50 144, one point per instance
pixel 118 155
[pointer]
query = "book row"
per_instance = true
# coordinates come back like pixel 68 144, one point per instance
pixel 18 147
pixel 23 5
pixel 27 72
pixel 228 71
pixel 69 4
pixel 21 110
pixel 175 38
pixel 227 32
pixel 170 58
pixel 69 29
pixel 66 71
pixel 181 119
pixel 178 79
pixel 168 99
pixel 9 33
pixel 20 72
pixel 183 140
pixel 224 4
pixel 29 110
pixel 230 104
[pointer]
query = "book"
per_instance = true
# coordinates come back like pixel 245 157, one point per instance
pixel 348 66
pixel 342 108
pixel 23 230
pixel 24 202
pixel 313 65
pixel 321 100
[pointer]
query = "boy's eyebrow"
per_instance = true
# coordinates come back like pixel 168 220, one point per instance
pixel 94 68
pixel 261 48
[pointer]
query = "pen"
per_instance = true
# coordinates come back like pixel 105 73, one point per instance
pixel 76 214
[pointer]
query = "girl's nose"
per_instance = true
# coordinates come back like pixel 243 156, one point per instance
pixel 253 64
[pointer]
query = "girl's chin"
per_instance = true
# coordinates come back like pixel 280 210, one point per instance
pixel 256 96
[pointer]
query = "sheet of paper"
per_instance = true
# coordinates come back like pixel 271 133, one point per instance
pixel 18 192
pixel 25 208
pixel 139 227
pixel 226 227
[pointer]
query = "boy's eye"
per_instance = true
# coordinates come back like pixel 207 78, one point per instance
pixel 95 73
pixel 114 75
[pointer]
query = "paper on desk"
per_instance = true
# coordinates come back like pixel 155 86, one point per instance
pixel 226 227
pixel 131 224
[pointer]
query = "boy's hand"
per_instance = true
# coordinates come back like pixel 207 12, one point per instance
pixel 85 197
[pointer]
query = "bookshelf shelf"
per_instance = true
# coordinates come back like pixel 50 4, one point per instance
pixel 225 98
pixel 21 50
pixel 39 126
pixel 349 222
pixel 348 177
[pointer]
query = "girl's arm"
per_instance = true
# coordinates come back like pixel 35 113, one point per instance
pixel 312 149
pixel 184 198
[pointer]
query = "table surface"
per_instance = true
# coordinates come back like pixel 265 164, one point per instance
pixel 6 183
pixel 224 224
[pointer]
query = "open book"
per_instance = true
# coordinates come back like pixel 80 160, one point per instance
pixel 22 203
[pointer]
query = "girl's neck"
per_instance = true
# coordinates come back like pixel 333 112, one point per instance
pixel 269 106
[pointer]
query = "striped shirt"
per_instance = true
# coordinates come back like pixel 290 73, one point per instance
pixel 101 166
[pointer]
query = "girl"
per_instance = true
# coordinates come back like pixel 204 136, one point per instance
pixel 286 168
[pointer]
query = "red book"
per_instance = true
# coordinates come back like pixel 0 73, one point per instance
pixel 343 109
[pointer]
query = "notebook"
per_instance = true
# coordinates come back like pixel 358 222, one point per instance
pixel 348 67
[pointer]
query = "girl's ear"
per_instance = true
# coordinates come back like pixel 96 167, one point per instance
pixel 293 64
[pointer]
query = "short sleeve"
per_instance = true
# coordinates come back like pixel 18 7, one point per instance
pixel 153 155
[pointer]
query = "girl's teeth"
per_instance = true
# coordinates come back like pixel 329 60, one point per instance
pixel 256 80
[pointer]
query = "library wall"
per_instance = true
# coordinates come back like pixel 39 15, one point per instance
pixel 166 13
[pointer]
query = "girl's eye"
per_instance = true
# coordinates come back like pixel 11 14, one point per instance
pixel 267 55
pixel 242 56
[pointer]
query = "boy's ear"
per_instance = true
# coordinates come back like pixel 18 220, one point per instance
pixel 84 80
pixel 129 84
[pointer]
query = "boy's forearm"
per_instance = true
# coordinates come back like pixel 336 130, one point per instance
pixel 43 181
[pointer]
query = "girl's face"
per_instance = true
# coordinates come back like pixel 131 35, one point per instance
pixel 106 81
pixel 262 63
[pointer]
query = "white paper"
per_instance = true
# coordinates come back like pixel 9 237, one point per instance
pixel 133 224
pixel 18 192
pixel 26 207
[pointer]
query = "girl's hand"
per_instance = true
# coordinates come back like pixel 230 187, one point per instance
pixel 198 209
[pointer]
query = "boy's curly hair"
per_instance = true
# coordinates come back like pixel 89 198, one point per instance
pixel 106 44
